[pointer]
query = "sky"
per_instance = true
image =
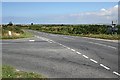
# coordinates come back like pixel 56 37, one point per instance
pixel 59 12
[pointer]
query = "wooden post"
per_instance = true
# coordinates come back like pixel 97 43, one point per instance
pixel 9 32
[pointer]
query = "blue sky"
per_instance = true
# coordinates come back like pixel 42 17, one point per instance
pixel 58 12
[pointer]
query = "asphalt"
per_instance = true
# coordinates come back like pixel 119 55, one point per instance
pixel 61 56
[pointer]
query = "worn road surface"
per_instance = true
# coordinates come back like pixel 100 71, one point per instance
pixel 61 56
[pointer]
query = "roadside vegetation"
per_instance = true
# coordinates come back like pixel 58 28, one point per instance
pixel 94 31
pixel 10 72
pixel 16 32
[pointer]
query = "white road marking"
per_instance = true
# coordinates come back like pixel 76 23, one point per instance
pixel 31 40
pixel 50 41
pixel 68 38
pixel 64 46
pixel 101 39
pixel 78 52
pixel 68 48
pixel 93 60
pixel 53 41
pixel 72 49
pixel 85 56
pixel 105 67
pixel 103 45
pixel 116 73
pixel 60 44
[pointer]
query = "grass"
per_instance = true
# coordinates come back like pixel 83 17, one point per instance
pixel 17 33
pixel 23 35
pixel 103 36
pixel 10 72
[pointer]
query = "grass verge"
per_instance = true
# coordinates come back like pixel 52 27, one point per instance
pixel 22 35
pixel 103 36
pixel 10 72
pixel 100 36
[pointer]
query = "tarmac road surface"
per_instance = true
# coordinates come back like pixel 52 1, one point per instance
pixel 61 56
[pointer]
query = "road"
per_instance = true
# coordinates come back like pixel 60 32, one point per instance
pixel 61 56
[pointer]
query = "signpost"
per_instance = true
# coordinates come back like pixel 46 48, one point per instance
pixel 114 29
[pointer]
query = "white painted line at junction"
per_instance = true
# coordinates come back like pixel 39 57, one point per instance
pixel 116 73
pixel 78 52
pixel 105 67
pixel 45 39
pixel 85 56
pixel 31 40
pixel 93 60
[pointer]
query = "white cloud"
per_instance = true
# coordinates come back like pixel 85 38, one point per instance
pixel 116 6
pixel 104 16
pixel 103 9
pixel 101 16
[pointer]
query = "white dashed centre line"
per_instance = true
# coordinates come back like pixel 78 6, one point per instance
pixel 72 49
pixel 85 56
pixel 60 44
pixel 105 67
pixel 78 52
pixel 68 48
pixel 116 73
pixel 64 46
pixel 93 61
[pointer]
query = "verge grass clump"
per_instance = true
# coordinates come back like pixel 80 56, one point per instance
pixel 10 72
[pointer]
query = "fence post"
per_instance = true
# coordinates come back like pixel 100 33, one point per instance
pixel 10 34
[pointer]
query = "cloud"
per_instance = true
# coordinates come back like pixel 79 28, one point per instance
pixel 101 16
pixel 116 6
pixel 103 9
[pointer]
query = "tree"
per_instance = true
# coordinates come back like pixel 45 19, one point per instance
pixel 31 23
pixel 10 24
